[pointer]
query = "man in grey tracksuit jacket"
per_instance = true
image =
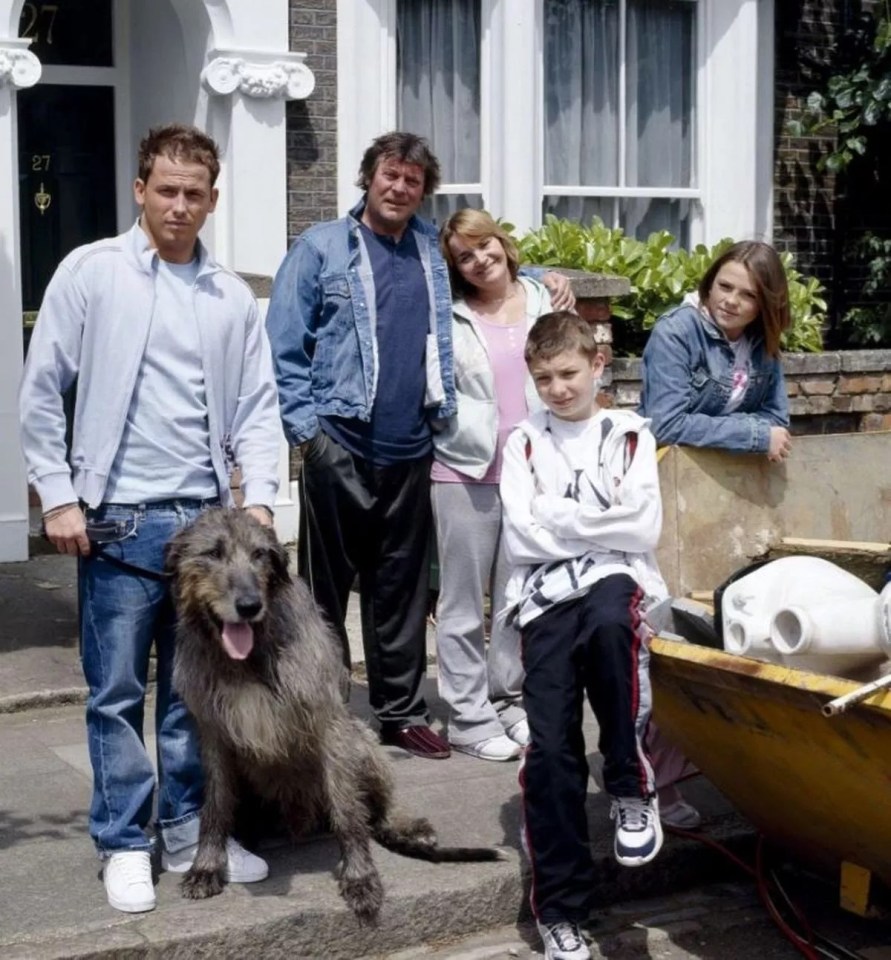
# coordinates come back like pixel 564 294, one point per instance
pixel 174 389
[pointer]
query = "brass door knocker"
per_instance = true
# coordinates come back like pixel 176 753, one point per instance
pixel 42 200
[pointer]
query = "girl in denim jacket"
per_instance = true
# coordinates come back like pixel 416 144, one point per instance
pixel 712 375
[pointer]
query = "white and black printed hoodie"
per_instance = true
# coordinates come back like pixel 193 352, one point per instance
pixel 581 501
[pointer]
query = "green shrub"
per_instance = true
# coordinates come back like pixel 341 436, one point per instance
pixel 660 277
pixel 867 324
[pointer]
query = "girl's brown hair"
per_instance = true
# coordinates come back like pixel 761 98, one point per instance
pixel 771 287
pixel 474 226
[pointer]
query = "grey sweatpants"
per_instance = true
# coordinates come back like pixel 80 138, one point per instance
pixel 483 688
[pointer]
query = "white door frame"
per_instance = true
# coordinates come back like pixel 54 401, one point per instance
pixel 239 98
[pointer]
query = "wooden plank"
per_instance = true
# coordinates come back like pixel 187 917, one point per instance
pixel 856 546
pixel 868 560
pixel 702 596
pixel 720 509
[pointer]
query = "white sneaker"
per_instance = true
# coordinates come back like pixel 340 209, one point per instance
pixel 242 866
pixel 563 941
pixel 128 881
pixel 495 748
pixel 519 732
pixel 638 830
pixel 681 815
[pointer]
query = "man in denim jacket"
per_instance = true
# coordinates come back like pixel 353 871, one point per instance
pixel 360 324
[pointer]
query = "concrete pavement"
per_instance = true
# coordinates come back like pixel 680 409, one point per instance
pixel 52 903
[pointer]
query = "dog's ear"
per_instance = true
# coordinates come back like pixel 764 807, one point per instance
pixel 279 557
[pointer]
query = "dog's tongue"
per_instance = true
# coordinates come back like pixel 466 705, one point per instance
pixel 238 639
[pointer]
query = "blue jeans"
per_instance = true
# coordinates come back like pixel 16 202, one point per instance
pixel 121 614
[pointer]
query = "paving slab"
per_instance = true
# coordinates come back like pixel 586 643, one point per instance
pixel 52 903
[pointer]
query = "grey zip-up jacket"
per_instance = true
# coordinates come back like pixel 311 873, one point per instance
pixel 93 325
pixel 466 442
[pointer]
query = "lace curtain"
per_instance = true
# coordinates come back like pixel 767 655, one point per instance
pixel 582 122
pixel 585 138
pixel 438 96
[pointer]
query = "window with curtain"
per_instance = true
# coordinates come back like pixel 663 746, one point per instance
pixel 619 102
pixel 438 93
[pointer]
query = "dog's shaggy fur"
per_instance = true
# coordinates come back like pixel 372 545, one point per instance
pixel 260 671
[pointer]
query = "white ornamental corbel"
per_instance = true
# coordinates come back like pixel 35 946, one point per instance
pixel 18 68
pixel 286 79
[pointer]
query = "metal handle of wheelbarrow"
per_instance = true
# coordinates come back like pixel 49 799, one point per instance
pixel 840 704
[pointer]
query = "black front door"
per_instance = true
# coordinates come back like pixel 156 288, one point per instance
pixel 66 176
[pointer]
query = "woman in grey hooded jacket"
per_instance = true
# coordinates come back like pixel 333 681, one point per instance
pixel 493 311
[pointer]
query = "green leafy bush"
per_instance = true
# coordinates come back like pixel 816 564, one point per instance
pixel 660 277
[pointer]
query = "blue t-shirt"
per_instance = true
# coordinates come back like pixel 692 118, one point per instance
pixel 398 429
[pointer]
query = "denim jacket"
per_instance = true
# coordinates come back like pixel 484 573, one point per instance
pixel 687 380
pixel 321 323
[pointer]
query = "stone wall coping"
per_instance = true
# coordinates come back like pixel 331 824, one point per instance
pixel 838 361
pixel 587 285
pixel 804 363
pixel 856 361
pixel 584 285
pixel 627 368
pixel 794 364
pixel 260 284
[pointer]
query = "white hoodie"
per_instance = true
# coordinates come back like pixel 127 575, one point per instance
pixel 581 502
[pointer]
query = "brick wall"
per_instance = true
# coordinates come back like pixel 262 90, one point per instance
pixel 840 392
pixel 817 216
pixel 804 198
pixel 312 123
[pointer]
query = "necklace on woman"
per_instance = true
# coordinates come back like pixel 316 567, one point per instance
pixel 496 301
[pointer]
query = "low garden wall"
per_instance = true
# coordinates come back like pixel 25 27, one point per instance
pixel 844 391
pixel 839 392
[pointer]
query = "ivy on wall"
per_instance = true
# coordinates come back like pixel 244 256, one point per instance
pixel 855 103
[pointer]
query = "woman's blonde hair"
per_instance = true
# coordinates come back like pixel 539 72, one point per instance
pixel 474 226
pixel 771 287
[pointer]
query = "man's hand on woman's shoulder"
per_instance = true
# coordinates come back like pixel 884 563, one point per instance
pixel 560 289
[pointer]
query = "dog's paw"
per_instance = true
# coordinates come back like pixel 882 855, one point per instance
pixel 364 895
pixel 420 830
pixel 201 884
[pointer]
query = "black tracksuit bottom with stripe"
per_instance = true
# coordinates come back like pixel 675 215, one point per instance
pixel 592 645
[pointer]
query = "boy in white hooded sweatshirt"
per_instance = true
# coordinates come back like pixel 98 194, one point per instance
pixel 582 515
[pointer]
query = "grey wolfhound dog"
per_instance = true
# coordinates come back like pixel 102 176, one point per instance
pixel 260 670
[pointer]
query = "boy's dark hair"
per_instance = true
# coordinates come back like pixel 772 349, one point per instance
pixel 407 147
pixel 176 141
pixel 559 332
pixel 771 287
